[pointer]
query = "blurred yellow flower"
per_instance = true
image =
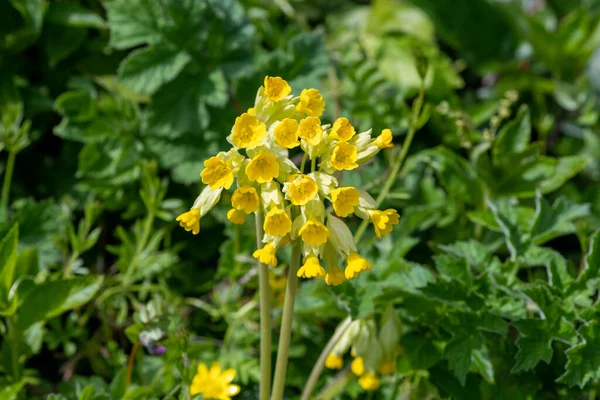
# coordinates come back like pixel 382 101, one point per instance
pixel 311 103
pixel 236 216
pixel 190 220
pixel 369 381
pixel 262 168
pixel 334 362
pixel 344 200
pixel 216 174
pixel 302 189
pixel 245 198
pixel 214 383
pixel 248 132
pixel 266 255
pixel 344 156
pixel 342 130
pixel 277 223
pixel 276 88
pixel 334 276
pixel 286 133
pixel 384 140
pixel 310 130
pixel 383 221
pixel 311 269
pixel 314 233
pixel 358 366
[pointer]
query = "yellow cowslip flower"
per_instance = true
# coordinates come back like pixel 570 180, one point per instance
pixel 190 220
pixel 214 383
pixel 216 174
pixel 250 111
pixel 302 189
pixel 311 103
pixel 334 276
pixel 262 168
pixel 387 367
pixel 277 223
pixel 342 130
pixel 311 269
pixel 236 216
pixel 384 140
pixel 358 366
pixel 334 361
pixel 314 233
pixel 248 132
pixel 344 200
pixel 356 265
pixel 369 381
pixel 245 198
pixel 383 221
pixel 310 130
pixel 266 255
pixel 276 88
pixel 286 133
pixel 344 156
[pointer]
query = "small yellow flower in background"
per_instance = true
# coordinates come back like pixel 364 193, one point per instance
pixel 358 366
pixel 311 103
pixel 314 233
pixel 310 130
pixel 384 140
pixel 286 133
pixel 302 189
pixel 276 88
pixel 311 269
pixel 277 223
pixel 383 221
pixel 190 220
pixel 369 381
pixel 263 168
pixel 334 362
pixel 245 198
pixel 334 276
pixel 216 174
pixel 214 383
pixel 387 367
pixel 356 265
pixel 342 130
pixel 344 200
pixel 248 131
pixel 236 216
pixel 344 156
pixel 266 255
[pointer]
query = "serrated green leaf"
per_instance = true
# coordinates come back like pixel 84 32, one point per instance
pixel 453 267
pixel 514 135
pixel 134 22
pixel 583 358
pixel 565 169
pixel 420 350
pixel 506 217
pixel 458 353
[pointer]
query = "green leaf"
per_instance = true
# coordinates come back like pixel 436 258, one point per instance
pixel 483 365
pixel 565 169
pixel 134 22
pixel 11 392
pixel 87 393
pixel 591 268
pixel 60 42
pixel 145 70
pixel 453 267
pixel 584 358
pixel 507 219
pixel 53 298
pixel 515 135
pixel 73 15
pixel 8 257
pixel 420 350
pixel 458 353
pixel 552 221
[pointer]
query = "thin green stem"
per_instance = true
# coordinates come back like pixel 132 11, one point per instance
pixel 172 392
pixel 14 348
pixel 10 166
pixel 391 179
pixel 69 266
pixel 286 325
pixel 397 382
pixel 265 316
pixel 414 390
pixel 303 163
pixel 313 164
pixel 320 364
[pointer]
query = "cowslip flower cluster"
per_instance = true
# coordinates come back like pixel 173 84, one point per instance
pixel 373 351
pixel 214 383
pixel 295 200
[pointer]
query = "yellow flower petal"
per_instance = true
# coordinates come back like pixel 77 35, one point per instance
pixel 217 174
pixel 344 156
pixel 311 103
pixel 276 88
pixel 262 168
pixel 190 221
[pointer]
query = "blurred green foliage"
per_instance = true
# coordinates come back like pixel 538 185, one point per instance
pixel 108 109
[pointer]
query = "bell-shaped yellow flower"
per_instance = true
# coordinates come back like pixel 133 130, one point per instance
pixel 310 131
pixel 344 200
pixel 384 140
pixel 356 265
pixel 276 88
pixel 266 255
pixel 190 220
pixel 262 168
pixel 383 221
pixel 344 156
pixel 358 366
pixel 311 269
pixel 342 130
pixel 248 132
pixel 334 361
pixel 314 233
pixel 334 276
pixel 369 381
pixel 245 198
pixel 214 383
pixel 216 174
pixel 311 103
pixel 277 223
pixel 236 216
pixel 286 133
pixel 302 189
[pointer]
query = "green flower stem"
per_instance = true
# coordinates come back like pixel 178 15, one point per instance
pixel 10 166
pixel 417 106
pixel 313 164
pixel 286 324
pixel 13 337
pixel 303 163
pixel 320 364
pixel 265 316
